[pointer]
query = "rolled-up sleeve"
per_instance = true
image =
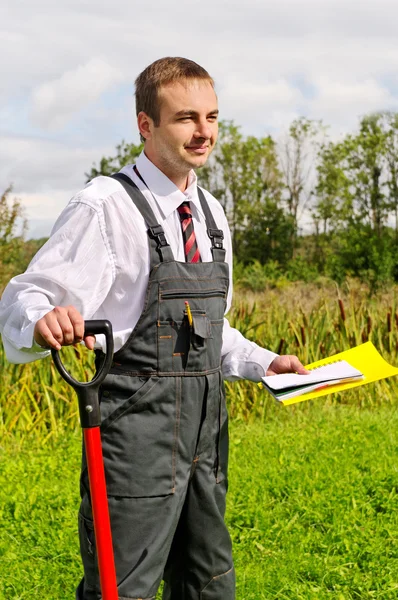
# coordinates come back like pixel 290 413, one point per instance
pixel 241 358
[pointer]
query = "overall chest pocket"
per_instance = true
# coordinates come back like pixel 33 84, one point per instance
pixel 140 440
pixel 190 342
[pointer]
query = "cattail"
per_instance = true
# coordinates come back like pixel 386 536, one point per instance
pixel 297 340
pixel 396 319
pixel 342 311
pixel 364 336
pixel 389 322
pixel 302 334
pixel 291 326
pixel 281 346
pixel 369 324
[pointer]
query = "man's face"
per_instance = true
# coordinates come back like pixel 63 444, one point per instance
pixel 188 127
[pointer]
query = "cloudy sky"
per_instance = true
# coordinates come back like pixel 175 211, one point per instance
pixel 67 72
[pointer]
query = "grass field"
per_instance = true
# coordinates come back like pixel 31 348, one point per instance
pixel 312 508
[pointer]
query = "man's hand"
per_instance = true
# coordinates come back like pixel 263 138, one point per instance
pixel 63 326
pixel 287 363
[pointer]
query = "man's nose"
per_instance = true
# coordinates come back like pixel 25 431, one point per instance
pixel 203 130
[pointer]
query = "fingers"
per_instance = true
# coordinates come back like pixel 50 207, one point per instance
pixel 43 335
pixel 62 326
pixel 287 363
pixel 89 340
pixel 297 366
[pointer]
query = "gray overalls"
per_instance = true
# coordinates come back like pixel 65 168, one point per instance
pixel 165 435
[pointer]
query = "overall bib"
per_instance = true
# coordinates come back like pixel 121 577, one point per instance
pixel 165 435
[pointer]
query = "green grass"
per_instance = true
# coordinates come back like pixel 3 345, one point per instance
pixel 38 528
pixel 313 505
pixel 312 508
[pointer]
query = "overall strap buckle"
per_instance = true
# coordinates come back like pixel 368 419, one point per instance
pixel 156 232
pixel 216 236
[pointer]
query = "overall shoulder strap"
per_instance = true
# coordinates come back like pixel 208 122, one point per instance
pixel 216 235
pixel 157 239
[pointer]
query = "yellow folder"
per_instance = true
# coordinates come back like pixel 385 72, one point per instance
pixel 365 358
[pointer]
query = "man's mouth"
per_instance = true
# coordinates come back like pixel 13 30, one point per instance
pixel 197 149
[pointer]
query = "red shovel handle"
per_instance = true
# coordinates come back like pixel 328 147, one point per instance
pixel 90 419
pixel 99 502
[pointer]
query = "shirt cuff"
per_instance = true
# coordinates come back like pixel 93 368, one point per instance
pixel 23 356
pixel 251 364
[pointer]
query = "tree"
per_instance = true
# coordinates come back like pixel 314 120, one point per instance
pixel 243 174
pixel 389 123
pixel 13 227
pixel 125 154
pixel 297 154
pixel 353 201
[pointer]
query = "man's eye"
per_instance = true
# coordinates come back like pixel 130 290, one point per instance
pixel 212 118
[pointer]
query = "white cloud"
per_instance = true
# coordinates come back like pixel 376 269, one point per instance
pixel 41 166
pixel 261 103
pixel 338 102
pixel 272 61
pixel 54 102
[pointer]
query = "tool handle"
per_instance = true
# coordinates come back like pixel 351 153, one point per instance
pixel 90 328
pixel 99 502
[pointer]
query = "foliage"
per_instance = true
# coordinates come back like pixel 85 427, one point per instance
pixel 34 399
pixel 243 174
pixel 12 229
pixel 126 153
pixel 298 155
pixel 311 320
pixel 349 187
pixel 357 193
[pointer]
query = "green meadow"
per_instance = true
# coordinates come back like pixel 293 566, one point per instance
pixel 312 507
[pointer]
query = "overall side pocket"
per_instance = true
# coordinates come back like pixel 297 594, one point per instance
pixel 140 440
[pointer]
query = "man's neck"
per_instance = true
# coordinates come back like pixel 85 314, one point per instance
pixel 180 180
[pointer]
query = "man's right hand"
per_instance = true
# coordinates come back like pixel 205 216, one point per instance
pixel 62 326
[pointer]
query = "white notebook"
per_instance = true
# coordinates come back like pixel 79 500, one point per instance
pixel 289 385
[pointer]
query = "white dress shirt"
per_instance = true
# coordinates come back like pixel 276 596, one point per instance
pixel 97 259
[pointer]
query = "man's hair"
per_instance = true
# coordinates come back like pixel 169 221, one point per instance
pixel 162 72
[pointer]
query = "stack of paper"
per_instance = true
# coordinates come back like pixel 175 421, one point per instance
pixel 289 385
pixel 364 358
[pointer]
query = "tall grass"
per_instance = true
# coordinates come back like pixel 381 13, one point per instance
pixel 34 399
pixel 314 322
pixel 311 321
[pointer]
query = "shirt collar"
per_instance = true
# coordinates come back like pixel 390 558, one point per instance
pixel 165 192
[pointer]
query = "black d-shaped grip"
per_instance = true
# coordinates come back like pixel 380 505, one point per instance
pixel 87 392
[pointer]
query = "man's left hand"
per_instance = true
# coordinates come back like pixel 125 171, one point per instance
pixel 287 363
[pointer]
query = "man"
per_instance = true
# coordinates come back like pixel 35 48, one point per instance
pixel 156 261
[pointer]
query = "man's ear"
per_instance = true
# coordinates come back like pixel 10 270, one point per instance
pixel 145 125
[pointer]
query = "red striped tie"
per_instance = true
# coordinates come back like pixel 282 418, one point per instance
pixel 191 249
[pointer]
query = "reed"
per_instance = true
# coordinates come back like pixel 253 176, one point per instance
pixel 311 321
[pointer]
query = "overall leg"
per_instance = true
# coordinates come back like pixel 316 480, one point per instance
pixel 149 441
pixel 142 530
pixel 200 565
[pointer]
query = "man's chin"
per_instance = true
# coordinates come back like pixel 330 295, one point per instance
pixel 197 161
